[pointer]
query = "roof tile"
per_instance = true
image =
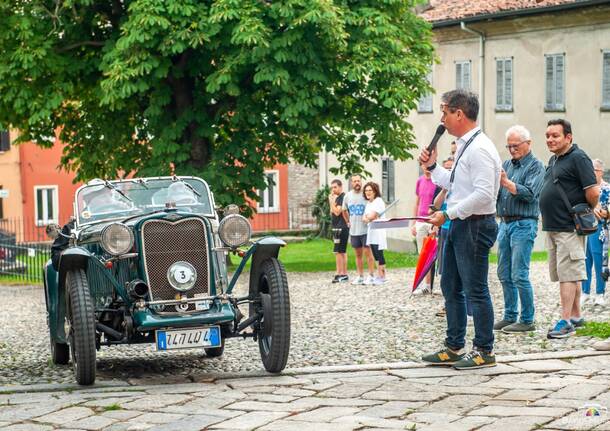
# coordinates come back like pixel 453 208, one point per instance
pixel 444 10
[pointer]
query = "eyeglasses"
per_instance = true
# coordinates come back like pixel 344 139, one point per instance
pixel 514 146
pixel 449 107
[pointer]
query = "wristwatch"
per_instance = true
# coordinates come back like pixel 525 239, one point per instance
pixel 432 167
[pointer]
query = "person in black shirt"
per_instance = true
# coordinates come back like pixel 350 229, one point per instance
pixel 571 169
pixel 340 230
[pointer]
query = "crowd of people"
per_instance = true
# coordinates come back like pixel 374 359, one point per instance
pixel 460 201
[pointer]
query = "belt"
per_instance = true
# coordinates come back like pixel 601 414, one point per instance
pixel 480 216
pixel 508 219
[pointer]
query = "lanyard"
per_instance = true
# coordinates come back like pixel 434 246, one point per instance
pixel 461 154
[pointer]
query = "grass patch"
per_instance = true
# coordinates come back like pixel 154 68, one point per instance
pixel 314 255
pixel 595 329
pixel 112 407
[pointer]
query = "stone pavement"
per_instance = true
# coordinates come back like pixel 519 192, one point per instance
pixel 551 390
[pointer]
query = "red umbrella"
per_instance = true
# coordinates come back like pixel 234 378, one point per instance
pixel 426 260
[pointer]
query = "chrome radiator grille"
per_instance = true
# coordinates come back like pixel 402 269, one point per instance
pixel 166 242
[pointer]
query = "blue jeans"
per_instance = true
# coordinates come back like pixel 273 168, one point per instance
pixel 515 243
pixel 594 258
pixel 465 270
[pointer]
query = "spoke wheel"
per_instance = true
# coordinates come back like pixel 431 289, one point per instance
pixel 274 333
pixel 81 322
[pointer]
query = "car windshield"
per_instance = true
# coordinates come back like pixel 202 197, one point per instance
pixel 108 200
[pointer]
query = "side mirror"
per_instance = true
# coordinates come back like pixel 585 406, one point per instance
pixel 53 230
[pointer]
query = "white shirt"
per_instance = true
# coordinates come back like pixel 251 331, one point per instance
pixel 376 236
pixel 477 177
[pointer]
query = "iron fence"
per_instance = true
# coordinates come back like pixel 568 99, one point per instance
pixel 24 250
pixel 283 219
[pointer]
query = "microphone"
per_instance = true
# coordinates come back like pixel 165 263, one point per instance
pixel 439 132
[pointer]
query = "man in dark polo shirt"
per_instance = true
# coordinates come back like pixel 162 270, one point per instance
pixel 573 169
pixel 518 209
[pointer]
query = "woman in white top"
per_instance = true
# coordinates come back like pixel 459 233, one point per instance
pixel 375 238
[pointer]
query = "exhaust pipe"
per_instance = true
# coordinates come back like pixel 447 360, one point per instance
pixel 137 289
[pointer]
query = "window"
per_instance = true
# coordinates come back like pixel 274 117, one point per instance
pixel 504 84
pixel 606 80
pixel 555 78
pixel 46 204
pixel 387 180
pixel 425 102
pixel 270 197
pixel 462 74
pixel 5 140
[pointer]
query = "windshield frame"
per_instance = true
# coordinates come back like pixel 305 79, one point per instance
pixel 80 223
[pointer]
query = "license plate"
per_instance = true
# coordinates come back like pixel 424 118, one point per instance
pixel 188 338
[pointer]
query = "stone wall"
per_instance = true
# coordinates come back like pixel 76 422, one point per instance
pixel 303 183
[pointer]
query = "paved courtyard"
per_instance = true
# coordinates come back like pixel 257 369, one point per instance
pixel 522 393
pixel 331 325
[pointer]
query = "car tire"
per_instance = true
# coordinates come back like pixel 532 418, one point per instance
pixel 274 348
pixel 215 352
pixel 81 316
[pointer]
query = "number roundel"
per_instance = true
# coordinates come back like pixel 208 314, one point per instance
pixel 182 276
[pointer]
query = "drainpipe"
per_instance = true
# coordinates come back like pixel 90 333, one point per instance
pixel 481 36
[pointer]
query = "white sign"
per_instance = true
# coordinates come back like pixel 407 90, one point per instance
pixel 3 194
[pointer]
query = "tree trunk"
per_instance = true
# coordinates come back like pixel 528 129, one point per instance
pixel 183 86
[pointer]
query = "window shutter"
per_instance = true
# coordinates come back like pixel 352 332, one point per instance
pixel 499 83
pixel 606 80
pixel 391 180
pixel 458 75
pixel 466 78
pixel 559 77
pixel 550 84
pixel 5 140
pixel 508 84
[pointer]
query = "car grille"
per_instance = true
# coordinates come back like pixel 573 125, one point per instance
pixel 164 243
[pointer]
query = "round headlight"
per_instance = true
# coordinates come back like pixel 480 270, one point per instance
pixel 117 239
pixel 234 230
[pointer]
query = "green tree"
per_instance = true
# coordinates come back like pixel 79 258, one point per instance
pixel 217 88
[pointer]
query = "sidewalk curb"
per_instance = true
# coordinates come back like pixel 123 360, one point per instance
pixel 290 372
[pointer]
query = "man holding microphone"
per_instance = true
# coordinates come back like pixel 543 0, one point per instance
pixel 473 186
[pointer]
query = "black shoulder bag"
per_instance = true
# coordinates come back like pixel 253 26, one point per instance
pixel 585 221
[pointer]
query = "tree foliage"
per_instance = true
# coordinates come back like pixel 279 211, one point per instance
pixel 217 88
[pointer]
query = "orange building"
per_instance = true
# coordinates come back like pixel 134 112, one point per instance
pixel 10 179
pixel 47 191
pixel 272 209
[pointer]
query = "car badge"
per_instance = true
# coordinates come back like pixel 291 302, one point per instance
pixel 172 217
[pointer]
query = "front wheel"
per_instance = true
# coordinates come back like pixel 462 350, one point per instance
pixel 274 331
pixel 81 334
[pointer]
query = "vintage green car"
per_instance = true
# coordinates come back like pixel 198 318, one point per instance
pixel 144 261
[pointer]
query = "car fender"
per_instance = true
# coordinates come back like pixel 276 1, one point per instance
pixel 55 290
pixel 264 249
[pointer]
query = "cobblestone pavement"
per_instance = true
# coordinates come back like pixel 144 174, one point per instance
pixel 523 393
pixel 331 325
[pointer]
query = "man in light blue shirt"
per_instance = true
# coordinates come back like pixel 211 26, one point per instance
pixel 518 208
